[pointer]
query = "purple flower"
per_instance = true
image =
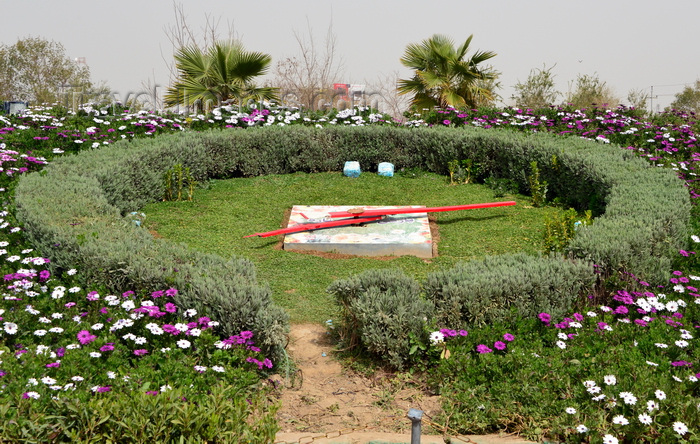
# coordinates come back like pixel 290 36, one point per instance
pixel 171 329
pixel 481 348
pixel 463 333
pixel 447 332
pixel 508 337
pixel 498 345
pixel 255 361
pixel 562 324
pixel 171 292
pixel 85 337
pixel 170 307
pixel 104 389
pixel 247 334
pixel 157 294
pixel 545 317
pixel 107 347
pixel 152 392
pixel 53 365
pixel 140 352
pixel 682 364
pixel 621 310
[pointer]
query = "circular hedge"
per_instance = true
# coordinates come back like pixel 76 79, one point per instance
pixel 74 210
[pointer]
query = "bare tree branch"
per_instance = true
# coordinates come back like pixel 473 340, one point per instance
pixel 306 80
pixel 382 95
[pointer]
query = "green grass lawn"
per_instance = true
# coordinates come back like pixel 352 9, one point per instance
pixel 225 211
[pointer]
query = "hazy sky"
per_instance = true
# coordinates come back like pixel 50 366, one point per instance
pixel 629 44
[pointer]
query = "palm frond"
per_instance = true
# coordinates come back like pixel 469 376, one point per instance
pixel 443 76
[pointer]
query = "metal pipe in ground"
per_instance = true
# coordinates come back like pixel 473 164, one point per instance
pixel 415 416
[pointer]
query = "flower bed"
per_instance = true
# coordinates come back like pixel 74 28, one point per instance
pixel 625 341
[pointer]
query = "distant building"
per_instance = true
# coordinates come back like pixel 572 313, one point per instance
pixel 348 92
pixel 13 107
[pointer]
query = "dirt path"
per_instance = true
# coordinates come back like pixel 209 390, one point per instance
pixel 323 399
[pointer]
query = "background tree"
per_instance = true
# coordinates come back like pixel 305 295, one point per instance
pixel 538 91
pixel 443 77
pixel 637 99
pixel 181 34
pixel 37 70
pixel 688 99
pixel 306 80
pixel 381 94
pixel 590 91
pixel 225 73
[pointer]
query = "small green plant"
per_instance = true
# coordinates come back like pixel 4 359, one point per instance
pixel 386 398
pixel 462 171
pixel 538 187
pixel 559 229
pixel 501 186
pixel 177 179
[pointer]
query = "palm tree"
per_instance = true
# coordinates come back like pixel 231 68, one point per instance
pixel 443 78
pixel 224 73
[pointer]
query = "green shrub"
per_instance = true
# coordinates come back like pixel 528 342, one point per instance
pixel 82 228
pixel 560 229
pixel 381 313
pixel 225 415
pixel 538 188
pixel 176 180
pixel 74 210
pixel 505 288
pixel 502 186
pixel 644 226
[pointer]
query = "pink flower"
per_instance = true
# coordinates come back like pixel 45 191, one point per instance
pixel 481 348
pixel 85 337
